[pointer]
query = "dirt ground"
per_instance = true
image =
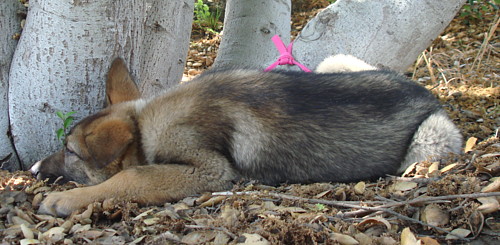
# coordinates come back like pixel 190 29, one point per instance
pixel 449 202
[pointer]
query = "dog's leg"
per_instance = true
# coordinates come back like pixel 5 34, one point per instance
pixel 146 185
pixel 436 137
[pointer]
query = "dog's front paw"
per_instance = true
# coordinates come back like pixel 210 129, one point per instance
pixel 64 203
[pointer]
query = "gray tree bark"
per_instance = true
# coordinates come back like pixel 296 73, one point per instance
pixel 384 33
pixel 64 53
pixel 165 45
pixel 10 24
pixel 248 28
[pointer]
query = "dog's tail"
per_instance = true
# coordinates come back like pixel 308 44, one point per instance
pixel 343 63
pixel 435 138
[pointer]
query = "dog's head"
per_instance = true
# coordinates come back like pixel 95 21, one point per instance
pixel 102 144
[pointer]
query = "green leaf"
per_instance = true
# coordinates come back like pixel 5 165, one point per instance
pixel 68 122
pixel 320 207
pixel 70 113
pixel 60 133
pixel 60 115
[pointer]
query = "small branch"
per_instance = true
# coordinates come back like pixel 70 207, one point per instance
pixel 384 208
pixel 344 204
pixel 416 180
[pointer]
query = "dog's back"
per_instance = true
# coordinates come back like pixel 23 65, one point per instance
pixel 299 127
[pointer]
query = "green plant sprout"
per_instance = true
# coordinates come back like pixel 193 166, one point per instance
pixel 205 19
pixel 319 207
pixel 474 9
pixel 67 120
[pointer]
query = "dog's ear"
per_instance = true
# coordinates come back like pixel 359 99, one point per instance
pixel 108 141
pixel 120 86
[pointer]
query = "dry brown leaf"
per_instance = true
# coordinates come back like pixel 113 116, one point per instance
pixel 170 212
pixel 213 201
pixel 471 142
pixel 85 214
pixel 43 217
pixel 448 167
pixel 404 186
pixel 434 215
pixel 27 232
pixel 53 235
pixel 254 239
pixel 151 221
pixel 363 239
pixel 492 187
pixel 37 199
pixel 29 242
pixel 180 206
pixel 407 237
pixel 428 241
pixel 409 169
pixel 369 222
pixel 322 194
pixel 268 205
pixel 204 197
pixel 488 205
pixel 67 225
pixel 458 233
pixel 143 214
pixel 138 240
pixel 229 216
pixel 386 240
pixel 359 188
pixel 79 228
pixel 18 221
pixel 221 239
pixel 433 170
pixel 90 234
pixel 343 239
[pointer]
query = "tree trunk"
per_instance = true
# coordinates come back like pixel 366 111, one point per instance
pixel 385 33
pixel 10 24
pixel 62 58
pixel 165 45
pixel 248 29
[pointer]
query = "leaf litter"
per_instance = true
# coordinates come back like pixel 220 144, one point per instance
pixel 455 200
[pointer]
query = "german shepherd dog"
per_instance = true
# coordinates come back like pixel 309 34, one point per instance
pixel 228 125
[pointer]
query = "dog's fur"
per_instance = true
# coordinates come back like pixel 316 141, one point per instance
pixel 227 125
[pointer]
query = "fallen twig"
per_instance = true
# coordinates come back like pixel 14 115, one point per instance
pixel 344 204
pixel 416 180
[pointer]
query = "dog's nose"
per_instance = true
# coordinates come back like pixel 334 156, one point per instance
pixel 35 169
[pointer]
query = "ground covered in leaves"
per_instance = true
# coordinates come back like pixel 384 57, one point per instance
pixel 455 201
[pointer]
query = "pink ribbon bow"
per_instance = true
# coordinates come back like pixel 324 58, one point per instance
pixel 286 57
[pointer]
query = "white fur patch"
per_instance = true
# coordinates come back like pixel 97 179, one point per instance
pixel 248 139
pixel 343 63
pixel 36 167
pixel 139 105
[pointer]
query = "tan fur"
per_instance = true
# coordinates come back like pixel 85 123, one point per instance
pixel 120 87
